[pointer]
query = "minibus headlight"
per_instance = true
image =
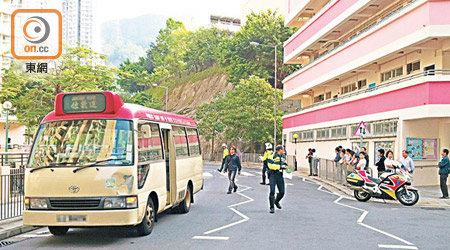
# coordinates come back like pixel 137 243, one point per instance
pixel 37 203
pixel 114 202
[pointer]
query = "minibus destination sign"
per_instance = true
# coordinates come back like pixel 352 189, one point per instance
pixel 84 103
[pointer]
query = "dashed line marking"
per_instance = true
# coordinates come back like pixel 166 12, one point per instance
pixel 247 174
pixel 207 174
pixel 210 238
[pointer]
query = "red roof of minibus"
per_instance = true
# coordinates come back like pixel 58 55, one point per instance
pixel 116 109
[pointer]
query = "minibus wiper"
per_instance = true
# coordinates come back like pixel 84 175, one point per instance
pixel 95 163
pixel 53 164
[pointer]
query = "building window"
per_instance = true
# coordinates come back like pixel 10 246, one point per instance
pixel 323 133
pixel 388 75
pixel 362 84
pixel 385 128
pixel 348 88
pixel 308 135
pixel 411 67
pixel 339 132
pixel 319 98
pixel 328 95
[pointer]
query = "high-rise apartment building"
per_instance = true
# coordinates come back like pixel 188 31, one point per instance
pixel 77 23
pixel 384 62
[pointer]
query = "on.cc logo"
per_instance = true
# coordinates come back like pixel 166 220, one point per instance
pixel 36 29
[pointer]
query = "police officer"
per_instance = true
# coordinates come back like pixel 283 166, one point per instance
pixel 265 164
pixel 277 163
pixel 225 153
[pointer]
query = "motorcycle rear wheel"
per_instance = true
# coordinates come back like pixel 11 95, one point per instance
pixel 407 197
pixel 362 195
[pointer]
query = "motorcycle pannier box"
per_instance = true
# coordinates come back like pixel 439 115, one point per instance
pixel 355 180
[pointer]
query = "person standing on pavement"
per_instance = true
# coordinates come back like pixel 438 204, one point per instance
pixel 277 163
pixel 338 155
pixel 225 153
pixel 380 163
pixel 232 166
pixel 444 169
pixel 362 162
pixel 265 164
pixel 315 162
pixel 366 157
pixel 309 156
pixel 407 162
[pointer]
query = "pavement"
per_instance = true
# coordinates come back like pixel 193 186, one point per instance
pixel 314 216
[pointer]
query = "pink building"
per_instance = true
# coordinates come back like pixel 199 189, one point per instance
pixel 384 62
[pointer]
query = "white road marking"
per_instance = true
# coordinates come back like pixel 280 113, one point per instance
pixel 35 235
pixel 231 207
pixel 207 174
pixel 396 246
pixel 210 238
pixel 289 184
pixel 363 216
pixel 247 174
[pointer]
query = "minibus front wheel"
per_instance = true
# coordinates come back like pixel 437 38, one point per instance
pixel 146 226
pixel 58 231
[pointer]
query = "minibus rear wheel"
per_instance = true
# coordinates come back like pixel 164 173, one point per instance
pixel 185 205
pixel 146 226
pixel 58 231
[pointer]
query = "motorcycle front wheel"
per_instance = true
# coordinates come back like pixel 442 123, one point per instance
pixel 362 195
pixel 407 197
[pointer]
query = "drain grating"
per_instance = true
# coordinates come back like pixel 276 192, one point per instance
pixel 5 243
pixel 433 208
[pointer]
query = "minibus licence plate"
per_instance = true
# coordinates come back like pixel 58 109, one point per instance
pixel 71 218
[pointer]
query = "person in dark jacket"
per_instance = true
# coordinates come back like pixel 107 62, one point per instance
pixel 444 168
pixel 380 164
pixel 338 155
pixel 309 156
pixel 277 163
pixel 232 166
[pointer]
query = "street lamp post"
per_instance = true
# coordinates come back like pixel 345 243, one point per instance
pixel 295 148
pixel 167 93
pixel 275 93
pixel 7 106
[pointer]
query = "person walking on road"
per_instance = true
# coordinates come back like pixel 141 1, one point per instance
pixel 309 156
pixel 407 162
pixel 264 159
pixel 232 166
pixel 315 163
pixel 225 153
pixel 444 169
pixel 380 163
pixel 277 163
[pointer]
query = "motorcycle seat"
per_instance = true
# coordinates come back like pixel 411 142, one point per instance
pixel 377 181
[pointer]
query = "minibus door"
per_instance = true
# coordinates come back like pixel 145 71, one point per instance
pixel 170 166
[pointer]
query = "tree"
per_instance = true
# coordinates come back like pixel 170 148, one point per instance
pixel 202 47
pixel 136 75
pixel 241 59
pixel 209 121
pixel 170 48
pixel 33 94
pixel 244 114
pixel 147 100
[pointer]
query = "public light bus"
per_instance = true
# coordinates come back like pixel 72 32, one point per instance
pixel 96 161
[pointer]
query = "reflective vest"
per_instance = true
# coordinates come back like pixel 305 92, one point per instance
pixel 225 153
pixel 266 155
pixel 276 161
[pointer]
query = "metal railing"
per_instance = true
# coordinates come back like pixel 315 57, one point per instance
pixel 245 157
pixel 13 159
pixel 12 195
pixel 336 172
pixel 432 72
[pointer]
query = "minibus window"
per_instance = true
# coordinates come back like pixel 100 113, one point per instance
pixel 194 145
pixel 179 136
pixel 149 142
pixel 80 142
